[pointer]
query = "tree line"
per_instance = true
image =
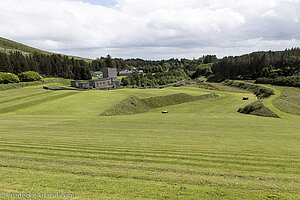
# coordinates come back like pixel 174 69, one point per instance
pixel 150 79
pixel 152 66
pixel 54 65
pixel 259 64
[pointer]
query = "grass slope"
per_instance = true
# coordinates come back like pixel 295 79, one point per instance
pixel 289 100
pixel 9 45
pixel 134 105
pixel 255 108
pixel 200 150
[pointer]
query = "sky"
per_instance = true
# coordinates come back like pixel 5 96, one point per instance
pixel 152 29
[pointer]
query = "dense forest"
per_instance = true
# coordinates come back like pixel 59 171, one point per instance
pixel 48 65
pixel 259 64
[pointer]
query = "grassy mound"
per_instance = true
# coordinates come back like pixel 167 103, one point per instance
pixel 130 105
pixel 259 109
pixel 133 105
pixel 259 91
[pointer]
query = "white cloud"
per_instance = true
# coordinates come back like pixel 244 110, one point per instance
pixel 152 28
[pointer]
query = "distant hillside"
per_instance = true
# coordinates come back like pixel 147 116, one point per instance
pixel 16 58
pixel 9 45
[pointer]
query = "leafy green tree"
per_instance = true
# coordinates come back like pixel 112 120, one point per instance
pixel 109 62
pixel 29 76
pixel 210 59
pixel 8 78
pixel 203 70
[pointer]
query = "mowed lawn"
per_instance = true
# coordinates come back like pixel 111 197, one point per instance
pixel 59 142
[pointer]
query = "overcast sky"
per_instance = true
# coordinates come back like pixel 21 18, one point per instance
pixel 152 29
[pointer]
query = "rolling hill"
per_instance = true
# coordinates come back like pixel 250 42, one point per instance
pixel 9 45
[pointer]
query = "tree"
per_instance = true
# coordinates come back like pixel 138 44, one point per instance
pixel 29 76
pixel 210 59
pixel 109 62
pixel 8 78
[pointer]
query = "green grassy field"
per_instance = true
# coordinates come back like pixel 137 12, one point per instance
pixel 57 141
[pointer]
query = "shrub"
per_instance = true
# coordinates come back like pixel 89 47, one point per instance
pixel 215 78
pixel 29 76
pixel 8 78
pixel 293 81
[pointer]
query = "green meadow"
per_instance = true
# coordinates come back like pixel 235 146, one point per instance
pixel 58 141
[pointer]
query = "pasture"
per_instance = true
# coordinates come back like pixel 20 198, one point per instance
pixel 58 141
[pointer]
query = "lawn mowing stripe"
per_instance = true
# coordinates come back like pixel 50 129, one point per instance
pixel 33 103
pixel 155 168
pixel 164 154
pixel 155 177
pixel 195 157
pixel 26 96
pixel 209 152
pixel 202 163
pixel 158 189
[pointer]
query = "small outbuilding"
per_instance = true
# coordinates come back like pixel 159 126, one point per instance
pixel 75 84
pixel 84 85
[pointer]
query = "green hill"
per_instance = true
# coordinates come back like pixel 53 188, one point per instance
pixel 9 45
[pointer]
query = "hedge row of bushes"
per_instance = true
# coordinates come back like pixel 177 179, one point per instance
pixel 22 77
pixel 293 81
pixel 259 91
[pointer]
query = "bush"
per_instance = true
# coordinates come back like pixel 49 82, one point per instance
pixel 215 78
pixel 293 81
pixel 29 76
pixel 8 78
